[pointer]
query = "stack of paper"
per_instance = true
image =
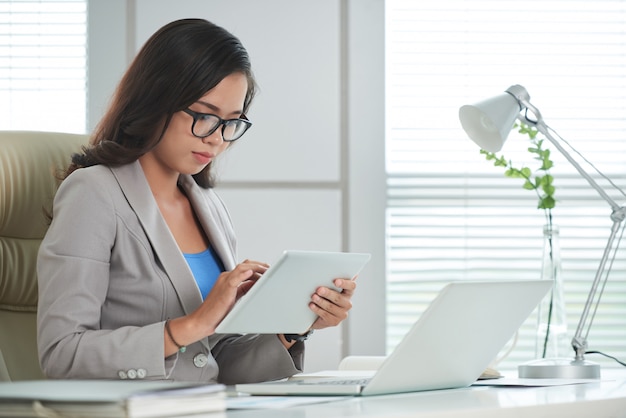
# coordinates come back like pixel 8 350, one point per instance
pixel 109 399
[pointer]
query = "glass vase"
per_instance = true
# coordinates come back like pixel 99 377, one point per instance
pixel 552 340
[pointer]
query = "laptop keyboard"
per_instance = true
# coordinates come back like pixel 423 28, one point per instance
pixel 349 382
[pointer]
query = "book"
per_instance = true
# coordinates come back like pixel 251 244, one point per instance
pixel 110 399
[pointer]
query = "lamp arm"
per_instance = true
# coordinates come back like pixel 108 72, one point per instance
pixel 543 128
pixel 579 341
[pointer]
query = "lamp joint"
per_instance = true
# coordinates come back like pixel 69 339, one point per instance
pixel 619 214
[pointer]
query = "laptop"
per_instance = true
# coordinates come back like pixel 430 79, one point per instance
pixel 449 346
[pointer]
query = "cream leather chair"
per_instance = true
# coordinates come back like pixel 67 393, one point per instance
pixel 29 162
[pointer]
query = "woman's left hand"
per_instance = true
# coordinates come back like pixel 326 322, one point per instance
pixel 330 305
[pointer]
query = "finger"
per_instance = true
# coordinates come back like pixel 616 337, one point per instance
pixel 340 299
pixel 337 307
pixel 256 264
pixel 326 318
pixel 247 270
pixel 346 285
pixel 244 287
pixel 257 268
pixel 240 273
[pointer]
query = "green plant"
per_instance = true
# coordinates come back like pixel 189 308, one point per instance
pixel 540 180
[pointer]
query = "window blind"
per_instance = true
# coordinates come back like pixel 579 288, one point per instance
pixel 451 215
pixel 43 65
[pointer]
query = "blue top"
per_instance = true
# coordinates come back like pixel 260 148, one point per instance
pixel 206 267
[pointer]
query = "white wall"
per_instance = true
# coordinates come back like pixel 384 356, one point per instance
pixel 310 173
pixel 364 84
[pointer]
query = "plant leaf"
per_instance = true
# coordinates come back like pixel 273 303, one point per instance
pixel 541 181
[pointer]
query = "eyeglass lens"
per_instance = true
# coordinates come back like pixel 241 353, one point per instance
pixel 232 129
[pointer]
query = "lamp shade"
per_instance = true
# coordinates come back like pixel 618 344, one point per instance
pixel 489 122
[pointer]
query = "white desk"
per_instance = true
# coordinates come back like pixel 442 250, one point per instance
pixel 605 398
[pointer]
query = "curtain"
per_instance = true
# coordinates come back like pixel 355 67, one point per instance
pixel 43 65
pixel 452 215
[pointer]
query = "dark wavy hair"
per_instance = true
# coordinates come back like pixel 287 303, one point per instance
pixel 175 67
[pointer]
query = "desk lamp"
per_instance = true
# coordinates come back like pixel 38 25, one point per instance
pixel 488 124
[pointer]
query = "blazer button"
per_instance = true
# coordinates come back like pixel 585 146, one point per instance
pixel 122 375
pixel 142 373
pixel 132 373
pixel 200 360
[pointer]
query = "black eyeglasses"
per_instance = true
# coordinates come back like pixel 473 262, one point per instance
pixel 204 124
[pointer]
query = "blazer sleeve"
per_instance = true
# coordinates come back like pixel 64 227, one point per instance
pixel 74 274
pixel 255 358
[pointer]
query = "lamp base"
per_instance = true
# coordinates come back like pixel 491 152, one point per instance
pixel 559 368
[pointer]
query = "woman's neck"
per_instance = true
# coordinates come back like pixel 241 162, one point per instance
pixel 163 183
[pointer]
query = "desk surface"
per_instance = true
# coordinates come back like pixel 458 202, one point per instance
pixel 605 398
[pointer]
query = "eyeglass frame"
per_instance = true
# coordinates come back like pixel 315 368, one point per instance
pixel 222 123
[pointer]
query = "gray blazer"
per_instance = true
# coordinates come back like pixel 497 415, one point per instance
pixel 110 274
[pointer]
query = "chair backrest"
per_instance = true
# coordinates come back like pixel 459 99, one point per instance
pixel 29 163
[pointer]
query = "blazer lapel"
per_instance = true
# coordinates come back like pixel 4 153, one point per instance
pixel 135 187
pixel 212 215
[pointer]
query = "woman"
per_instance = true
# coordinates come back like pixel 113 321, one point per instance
pixel 138 266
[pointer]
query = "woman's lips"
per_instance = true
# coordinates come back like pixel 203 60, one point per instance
pixel 203 157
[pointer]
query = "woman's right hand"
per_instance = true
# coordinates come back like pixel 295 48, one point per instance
pixel 229 287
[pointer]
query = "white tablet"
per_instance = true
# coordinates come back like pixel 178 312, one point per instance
pixel 278 303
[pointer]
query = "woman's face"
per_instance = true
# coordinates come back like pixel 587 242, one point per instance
pixel 179 150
